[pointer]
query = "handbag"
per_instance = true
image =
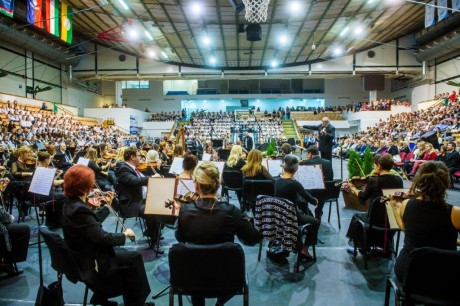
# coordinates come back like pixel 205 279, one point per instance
pixel 51 295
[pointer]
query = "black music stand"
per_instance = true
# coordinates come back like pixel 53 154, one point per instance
pixel 58 160
pixel 223 154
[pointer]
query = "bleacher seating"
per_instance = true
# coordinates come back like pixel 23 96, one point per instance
pixel 177 93
pixel 206 91
pixel 312 91
pixel 309 116
pixel 271 91
pixel 238 91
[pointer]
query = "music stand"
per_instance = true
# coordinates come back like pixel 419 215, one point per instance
pixel 217 143
pixel 223 154
pixel 59 160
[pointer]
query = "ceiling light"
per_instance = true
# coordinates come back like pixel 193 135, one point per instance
pixel 164 54
pixel 151 53
pixel 358 30
pixel 313 46
pixel 283 39
pixel 274 63
pixel 213 60
pixel 338 51
pixel 206 40
pixel 196 8
pixel 133 34
pixel 149 36
pixel 295 7
pixel 123 4
pixel 344 31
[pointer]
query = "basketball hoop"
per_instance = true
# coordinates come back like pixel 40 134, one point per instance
pixel 256 10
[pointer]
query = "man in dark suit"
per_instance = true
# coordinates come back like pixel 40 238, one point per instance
pixel 313 158
pixel 67 160
pixel 325 138
pixel 452 158
pixel 132 191
pixel 248 143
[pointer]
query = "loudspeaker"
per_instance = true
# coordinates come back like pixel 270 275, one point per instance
pixel 374 82
pixel 253 32
pixel 431 138
pixel 122 58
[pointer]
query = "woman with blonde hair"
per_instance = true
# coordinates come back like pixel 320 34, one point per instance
pixel 235 160
pixel 254 169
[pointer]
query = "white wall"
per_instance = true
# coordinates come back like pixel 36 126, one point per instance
pixel 120 115
pixel 367 119
pixel 155 129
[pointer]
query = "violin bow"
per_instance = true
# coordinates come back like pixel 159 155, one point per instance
pixel 359 166
pixel 133 239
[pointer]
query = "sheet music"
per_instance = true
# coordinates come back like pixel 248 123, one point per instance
pixel 274 167
pixel 310 176
pixel 83 161
pixel 160 190
pixel 265 162
pixel 181 189
pixel 206 157
pixel 42 180
pixel 176 166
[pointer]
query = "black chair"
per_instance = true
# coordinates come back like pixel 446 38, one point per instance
pixel 233 180
pixel 263 147
pixel 217 270
pixel 253 188
pixel 330 194
pixel 64 262
pixel 427 279
pixel 376 232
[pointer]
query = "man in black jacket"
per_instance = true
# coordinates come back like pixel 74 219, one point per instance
pixel 132 191
pixel 452 158
pixel 325 138
pixel 313 158
pixel 248 143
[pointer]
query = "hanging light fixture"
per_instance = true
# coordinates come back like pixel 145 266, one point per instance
pixel 313 46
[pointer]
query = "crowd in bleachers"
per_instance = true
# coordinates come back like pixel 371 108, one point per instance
pixel 165 116
pixel 376 105
pixel 448 97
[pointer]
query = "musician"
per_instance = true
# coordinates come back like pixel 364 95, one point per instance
pixel 427 220
pixel 20 169
pixel 254 169
pixel 198 146
pixel 188 164
pixel 325 138
pixel 14 240
pixel 235 162
pixel 210 221
pixel 132 191
pixel 101 172
pixel 382 179
pixel 287 187
pixel 313 158
pixel 208 149
pixel 95 249
pixel 248 142
pixel 68 160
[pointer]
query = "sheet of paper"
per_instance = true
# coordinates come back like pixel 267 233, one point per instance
pixel 42 180
pixel 265 162
pixel 206 157
pixel 274 166
pixel 391 216
pixel 176 166
pixel 310 176
pixel 83 161
pixel 181 189
pixel 159 191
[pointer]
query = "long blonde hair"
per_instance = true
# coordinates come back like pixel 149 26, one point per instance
pixel 254 164
pixel 208 177
pixel 121 154
pixel 235 156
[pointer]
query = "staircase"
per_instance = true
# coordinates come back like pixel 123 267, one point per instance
pixel 289 129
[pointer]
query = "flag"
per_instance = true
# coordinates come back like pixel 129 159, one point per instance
pixel 66 23
pixel 7 7
pixel 52 16
pixel 34 12
pixel 442 9
pixel 55 108
pixel 429 14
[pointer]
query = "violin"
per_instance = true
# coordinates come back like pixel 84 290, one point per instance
pixel 145 166
pixel 31 161
pixel 4 183
pixel 97 198
pixel 179 199
pixel 358 181
pixel 398 196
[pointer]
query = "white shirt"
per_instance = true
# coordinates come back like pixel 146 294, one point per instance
pixel 144 188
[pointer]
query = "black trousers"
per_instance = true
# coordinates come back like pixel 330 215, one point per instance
pixel 135 287
pixel 19 236
pixel 326 154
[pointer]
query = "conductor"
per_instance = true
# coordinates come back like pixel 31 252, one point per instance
pixel 326 137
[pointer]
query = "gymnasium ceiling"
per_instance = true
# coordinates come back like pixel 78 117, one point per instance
pixel 178 32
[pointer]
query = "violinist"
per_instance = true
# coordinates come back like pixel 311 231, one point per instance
pixel 188 164
pixel 163 153
pixel 152 163
pixel 427 220
pixel 22 169
pixel 100 172
pixel 382 179
pixel 211 221
pixel 68 160
pixel 57 198
pixel 95 249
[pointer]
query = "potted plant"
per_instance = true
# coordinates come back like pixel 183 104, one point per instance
pixel 358 167
pixel 271 150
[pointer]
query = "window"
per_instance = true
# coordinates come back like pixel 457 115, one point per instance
pixel 135 84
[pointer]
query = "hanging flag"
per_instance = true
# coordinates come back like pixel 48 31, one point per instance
pixel 55 108
pixel 52 16
pixel 7 7
pixel 66 23
pixel 456 4
pixel 429 14
pixel 34 13
pixel 442 9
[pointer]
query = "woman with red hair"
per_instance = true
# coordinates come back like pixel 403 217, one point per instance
pixel 114 269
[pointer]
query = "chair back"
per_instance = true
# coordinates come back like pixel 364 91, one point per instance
pixel 233 179
pixel 253 188
pixel 427 275
pixel 208 270
pixel 409 156
pixel 330 192
pixel 62 258
pixel 402 155
pixel 377 213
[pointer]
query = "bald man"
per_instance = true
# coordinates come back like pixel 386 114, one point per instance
pixel 326 137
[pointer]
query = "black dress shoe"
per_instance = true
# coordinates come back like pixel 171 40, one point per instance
pixel 160 252
pixel 10 270
pixel 98 300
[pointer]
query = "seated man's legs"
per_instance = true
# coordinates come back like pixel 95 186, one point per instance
pixel 19 236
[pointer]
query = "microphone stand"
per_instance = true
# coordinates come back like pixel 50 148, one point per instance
pixel 260 129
